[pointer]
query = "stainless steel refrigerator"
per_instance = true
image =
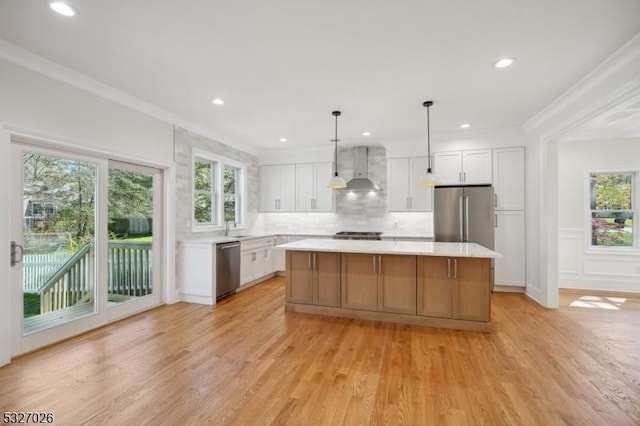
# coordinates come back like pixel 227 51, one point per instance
pixel 464 214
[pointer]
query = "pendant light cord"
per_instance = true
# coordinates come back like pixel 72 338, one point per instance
pixel 335 150
pixel 427 104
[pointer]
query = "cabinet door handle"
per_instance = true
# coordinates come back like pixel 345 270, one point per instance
pixel 455 268
pixel 276 204
pixel 314 261
pixel 460 219
pixel 374 264
pixel 309 255
pixel 495 200
pixel 448 268
pixel 464 177
pixel 265 253
pixel 380 264
pixel 496 220
pixel 466 216
pixel 460 177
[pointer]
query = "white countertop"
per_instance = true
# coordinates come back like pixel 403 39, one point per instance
pixel 242 237
pixel 394 247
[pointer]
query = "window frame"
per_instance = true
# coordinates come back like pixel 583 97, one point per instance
pixel 217 190
pixel 635 198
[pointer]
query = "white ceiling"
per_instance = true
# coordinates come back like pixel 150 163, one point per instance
pixel 282 66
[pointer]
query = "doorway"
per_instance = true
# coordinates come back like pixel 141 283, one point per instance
pixel 86 243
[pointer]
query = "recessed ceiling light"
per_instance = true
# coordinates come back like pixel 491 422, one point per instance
pixel 366 133
pixel 63 8
pixel 217 101
pixel 465 125
pixel 504 62
pixel 283 139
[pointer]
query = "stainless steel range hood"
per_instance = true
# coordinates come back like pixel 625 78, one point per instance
pixel 360 181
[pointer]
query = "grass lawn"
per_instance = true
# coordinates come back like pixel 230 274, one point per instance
pixel 147 239
pixel 31 304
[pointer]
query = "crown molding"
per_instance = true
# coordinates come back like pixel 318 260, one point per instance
pixel 53 70
pixel 618 60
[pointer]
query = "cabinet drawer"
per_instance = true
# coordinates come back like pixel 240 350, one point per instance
pixel 257 243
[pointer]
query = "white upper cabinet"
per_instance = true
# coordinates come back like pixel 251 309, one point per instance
pixel 404 194
pixel 277 188
pixel 508 178
pixel 471 167
pixel 312 194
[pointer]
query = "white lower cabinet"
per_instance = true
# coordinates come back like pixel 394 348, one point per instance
pixel 256 259
pixel 510 242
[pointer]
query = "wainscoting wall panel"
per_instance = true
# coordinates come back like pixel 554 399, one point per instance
pixel 583 269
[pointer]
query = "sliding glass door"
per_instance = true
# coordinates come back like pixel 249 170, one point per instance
pixel 87 243
pixel 134 215
pixel 58 239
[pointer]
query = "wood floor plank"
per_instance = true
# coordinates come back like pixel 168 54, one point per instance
pixel 246 361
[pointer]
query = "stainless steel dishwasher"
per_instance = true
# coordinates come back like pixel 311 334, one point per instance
pixel 227 268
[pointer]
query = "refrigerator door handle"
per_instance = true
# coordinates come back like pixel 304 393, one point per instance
pixel 466 216
pixel 460 219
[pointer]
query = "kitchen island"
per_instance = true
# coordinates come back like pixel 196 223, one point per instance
pixel 423 283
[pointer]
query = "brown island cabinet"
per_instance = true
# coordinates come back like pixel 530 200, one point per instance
pixel 449 290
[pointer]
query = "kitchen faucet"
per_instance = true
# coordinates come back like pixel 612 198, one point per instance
pixel 226 226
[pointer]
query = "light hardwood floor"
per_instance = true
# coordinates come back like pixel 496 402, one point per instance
pixel 246 361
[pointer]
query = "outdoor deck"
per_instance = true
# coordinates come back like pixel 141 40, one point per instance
pixel 62 316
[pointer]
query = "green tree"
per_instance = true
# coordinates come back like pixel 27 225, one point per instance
pixel 69 185
pixel 130 196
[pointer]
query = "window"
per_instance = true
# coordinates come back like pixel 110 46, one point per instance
pixel 231 195
pixel 218 190
pixel 204 194
pixel 611 205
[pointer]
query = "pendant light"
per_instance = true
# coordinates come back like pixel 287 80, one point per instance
pixel 336 182
pixel 429 178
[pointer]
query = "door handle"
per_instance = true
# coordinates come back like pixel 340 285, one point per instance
pixel 496 220
pixel 309 264
pixel 464 176
pixel 276 204
pixel 460 176
pixel 265 253
pixel 495 200
pixel 314 261
pixel 374 264
pixel 380 264
pixel 460 219
pixel 466 216
pixel 14 251
pixel 448 268
pixel 455 268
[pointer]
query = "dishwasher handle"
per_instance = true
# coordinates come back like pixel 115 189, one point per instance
pixel 230 246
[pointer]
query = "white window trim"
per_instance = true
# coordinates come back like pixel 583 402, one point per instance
pixel 219 202
pixel 635 198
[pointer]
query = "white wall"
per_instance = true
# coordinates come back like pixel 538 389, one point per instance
pixel 43 107
pixel 578 266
